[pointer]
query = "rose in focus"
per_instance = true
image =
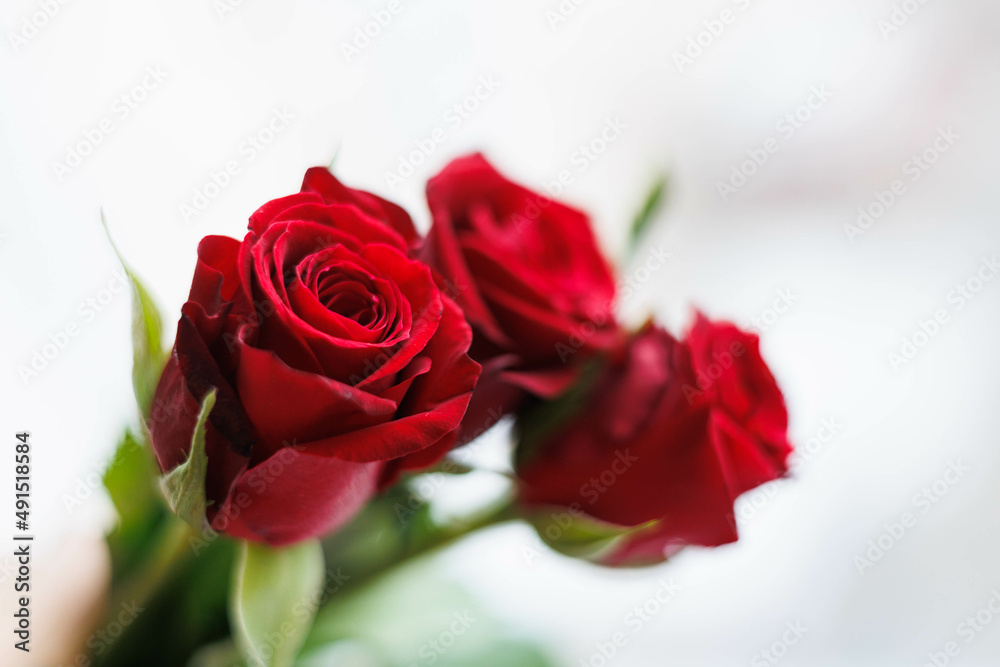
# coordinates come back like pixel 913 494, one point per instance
pixel 336 360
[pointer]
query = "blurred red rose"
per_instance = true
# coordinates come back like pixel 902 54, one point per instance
pixel 670 435
pixel 530 278
pixel 336 359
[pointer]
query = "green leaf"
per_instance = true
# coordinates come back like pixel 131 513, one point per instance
pixel 415 614
pixel 130 479
pixel 450 466
pixel 273 600
pixel 148 356
pixel 183 587
pixel 578 535
pixel 184 486
pixel 654 199
pixel 220 654
pixel 333 160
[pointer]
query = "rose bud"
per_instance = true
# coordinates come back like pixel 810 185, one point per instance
pixel 530 278
pixel 336 361
pixel 656 448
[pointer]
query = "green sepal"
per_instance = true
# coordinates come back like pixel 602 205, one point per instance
pixel 130 480
pixel 650 207
pixel 273 600
pixel 184 486
pixel 148 356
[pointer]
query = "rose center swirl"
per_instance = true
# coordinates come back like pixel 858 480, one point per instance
pixel 347 290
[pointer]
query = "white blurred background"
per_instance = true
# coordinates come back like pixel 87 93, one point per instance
pixel 849 295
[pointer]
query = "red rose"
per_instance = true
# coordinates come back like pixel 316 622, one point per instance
pixel 671 434
pixel 336 360
pixel 529 276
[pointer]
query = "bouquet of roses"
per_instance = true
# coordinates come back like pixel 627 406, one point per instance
pixel 334 357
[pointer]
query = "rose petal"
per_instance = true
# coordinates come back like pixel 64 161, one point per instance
pixel 289 405
pixel 296 495
pixel 216 275
pixel 325 184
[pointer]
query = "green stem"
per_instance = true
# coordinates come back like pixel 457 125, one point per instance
pixel 169 552
pixel 446 535
pixel 439 537
pixel 426 540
